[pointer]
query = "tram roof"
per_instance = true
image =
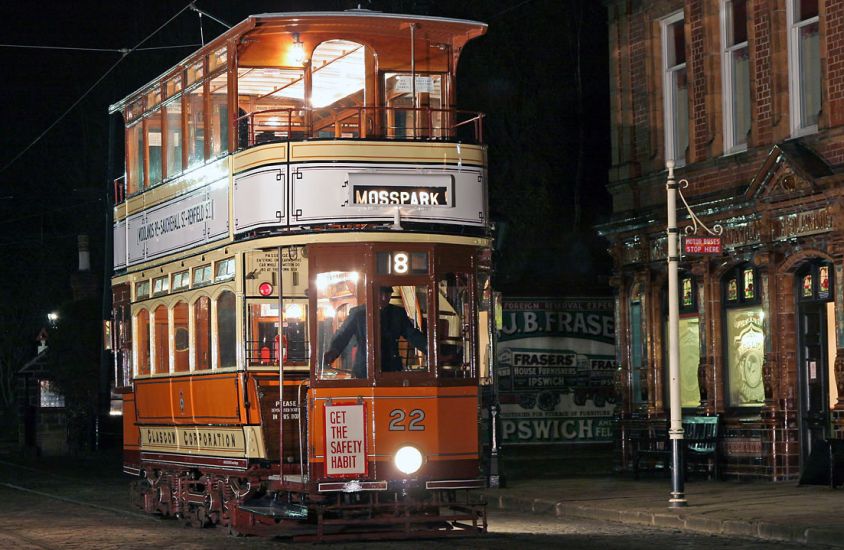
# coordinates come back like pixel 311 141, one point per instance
pixel 354 22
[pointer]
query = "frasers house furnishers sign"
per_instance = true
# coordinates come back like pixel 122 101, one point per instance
pixel 556 369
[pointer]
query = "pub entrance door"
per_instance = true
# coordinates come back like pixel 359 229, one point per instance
pixel 814 311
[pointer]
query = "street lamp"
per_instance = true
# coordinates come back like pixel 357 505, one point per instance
pixel 675 429
pixel 53 318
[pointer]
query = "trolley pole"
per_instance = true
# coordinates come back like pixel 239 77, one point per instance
pixel 675 430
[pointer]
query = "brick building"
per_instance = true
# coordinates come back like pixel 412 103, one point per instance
pixel 747 97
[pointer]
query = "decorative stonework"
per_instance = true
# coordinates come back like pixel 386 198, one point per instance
pixel 798 224
pixel 737 234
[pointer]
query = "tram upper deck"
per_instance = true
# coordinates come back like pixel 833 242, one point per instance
pixel 302 121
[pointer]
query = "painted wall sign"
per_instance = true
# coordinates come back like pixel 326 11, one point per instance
pixel 345 437
pixel 556 370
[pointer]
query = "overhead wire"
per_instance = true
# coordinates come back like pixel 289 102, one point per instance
pixel 91 88
pixel 106 50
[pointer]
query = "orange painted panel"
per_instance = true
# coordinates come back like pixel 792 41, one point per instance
pixel 205 399
pixel 440 422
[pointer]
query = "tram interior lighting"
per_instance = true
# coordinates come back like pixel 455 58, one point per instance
pixel 297 50
pixel 293 311
pixel 328 312
pixel 408 460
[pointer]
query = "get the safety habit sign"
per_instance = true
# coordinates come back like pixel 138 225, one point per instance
pixel 345 436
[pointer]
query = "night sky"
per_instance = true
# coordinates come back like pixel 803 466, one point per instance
pixel 522 75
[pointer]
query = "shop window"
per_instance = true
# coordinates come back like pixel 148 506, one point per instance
pixel 142 341
pixel 341 326
pixel 181 338
pixel 453 330
pixel 226 330
pixel 160 285
pixel 224 270
pixel 202 275
pixel 736 75
pixel 744 338
pixel 49 396
pixel 202 333
pixel 181 280
pixel 675 88
pixel 638 378
pixel 688 339
pixel 804 65
pixel 141 290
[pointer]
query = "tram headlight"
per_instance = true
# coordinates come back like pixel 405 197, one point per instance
pixel 408 460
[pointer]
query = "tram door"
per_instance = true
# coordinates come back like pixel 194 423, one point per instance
pixel 813 371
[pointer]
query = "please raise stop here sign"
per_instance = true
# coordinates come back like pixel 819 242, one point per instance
pixel 702 245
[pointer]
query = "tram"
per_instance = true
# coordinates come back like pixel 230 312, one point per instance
pixel 301 281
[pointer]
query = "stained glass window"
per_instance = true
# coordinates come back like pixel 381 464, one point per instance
pixel 732 290
pixel 749 290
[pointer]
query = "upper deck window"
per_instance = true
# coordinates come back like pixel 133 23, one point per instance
pixel 173 86
pixel 414 106
pixel 217 60
pixel 195 72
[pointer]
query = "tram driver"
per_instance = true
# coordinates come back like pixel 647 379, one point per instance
pixel 394 324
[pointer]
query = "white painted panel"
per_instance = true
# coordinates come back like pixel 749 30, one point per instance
pixel 260 198
pixel 119 245
pixel 323 193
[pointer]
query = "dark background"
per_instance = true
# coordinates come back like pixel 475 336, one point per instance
pixel 540 75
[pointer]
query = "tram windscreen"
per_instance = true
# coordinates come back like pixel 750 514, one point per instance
pixel 341 326
pixel 454 344
pixel 403 316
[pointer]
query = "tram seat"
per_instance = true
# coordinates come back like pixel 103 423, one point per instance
pixel 652 446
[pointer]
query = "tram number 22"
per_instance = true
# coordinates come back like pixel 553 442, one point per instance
pixel 401 421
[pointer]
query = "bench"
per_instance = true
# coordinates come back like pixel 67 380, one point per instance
pixel 700 446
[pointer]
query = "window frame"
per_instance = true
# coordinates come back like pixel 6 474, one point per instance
pixel 796 92
pixel 669 99
pixel 732 142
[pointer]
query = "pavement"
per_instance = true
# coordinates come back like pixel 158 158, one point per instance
pixel 783 511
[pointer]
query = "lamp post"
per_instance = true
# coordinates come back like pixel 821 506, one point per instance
pixel 675 430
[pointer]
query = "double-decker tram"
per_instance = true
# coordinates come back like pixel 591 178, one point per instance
pixel 302 262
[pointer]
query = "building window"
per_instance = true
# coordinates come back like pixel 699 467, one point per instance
pixel 675 87
pixel 736 75
pixel 804 65
pixel 49 397
pixel 744 338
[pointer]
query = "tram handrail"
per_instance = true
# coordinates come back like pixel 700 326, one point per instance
pixel 360 122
